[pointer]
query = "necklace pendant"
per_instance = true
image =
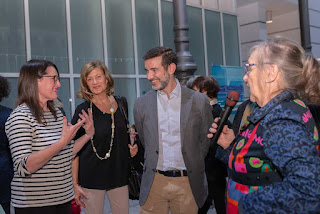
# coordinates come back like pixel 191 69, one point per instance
pixel 107 155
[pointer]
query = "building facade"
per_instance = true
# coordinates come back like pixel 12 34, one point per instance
pixel 71 33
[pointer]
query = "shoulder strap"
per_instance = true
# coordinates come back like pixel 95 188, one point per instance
pixel 123 106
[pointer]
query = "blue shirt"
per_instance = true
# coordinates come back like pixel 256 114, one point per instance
pixel 6 168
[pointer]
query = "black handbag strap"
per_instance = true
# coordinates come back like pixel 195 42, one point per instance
pixel 123 106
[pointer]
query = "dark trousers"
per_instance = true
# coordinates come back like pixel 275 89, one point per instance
pixel 6 207
pixel 217 190
pixel 55 209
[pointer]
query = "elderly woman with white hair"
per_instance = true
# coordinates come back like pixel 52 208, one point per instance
pixel 273 163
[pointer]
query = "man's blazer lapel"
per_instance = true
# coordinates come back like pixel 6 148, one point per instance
pixel 186 106
pixel 153 108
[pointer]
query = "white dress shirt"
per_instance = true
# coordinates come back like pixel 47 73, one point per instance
pixel 170 155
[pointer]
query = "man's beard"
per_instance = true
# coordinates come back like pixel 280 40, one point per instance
pixel 163 82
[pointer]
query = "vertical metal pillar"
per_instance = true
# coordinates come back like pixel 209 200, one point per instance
pixel 304 25
pixel 186 65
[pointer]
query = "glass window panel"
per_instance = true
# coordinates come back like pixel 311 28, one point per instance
pixel 120 37
pixel 49 32
pixel 65 97
pixel 12 36
pixel 167 24
pixel 86 27
pixel 11 101
pixel 231 41
pixel 145 86
pixel 147 28
pixel 127 88
pixel 78 101
pixel 214 39
pixel 196 38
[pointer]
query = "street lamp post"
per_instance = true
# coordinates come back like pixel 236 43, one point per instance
pixel 305 25
pixel 186 65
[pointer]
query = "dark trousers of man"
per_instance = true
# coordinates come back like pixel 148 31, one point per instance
pixel 216 172
pixel 217 189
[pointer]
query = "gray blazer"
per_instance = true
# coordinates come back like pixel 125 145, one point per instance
pixel 195 120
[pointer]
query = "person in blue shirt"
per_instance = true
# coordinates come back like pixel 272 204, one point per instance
pixel 6 168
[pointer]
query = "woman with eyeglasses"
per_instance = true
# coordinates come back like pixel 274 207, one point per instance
pixel 40 143
pixel 102 166
pixel 273 163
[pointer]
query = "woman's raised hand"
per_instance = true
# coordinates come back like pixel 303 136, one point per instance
pixel 226 136
pixel 69 130
pixel 88 124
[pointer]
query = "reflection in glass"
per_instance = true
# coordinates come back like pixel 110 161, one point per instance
pixel 78 101
pixel 147 28
pixel 64 96
pixel 167 24
pixel 87 42
pixel 231 41
pixel 120 37
pixel 214 39
pixel 196 38
pixel 49 32
pixel 12 36
pixel 145 86
pixel 127 88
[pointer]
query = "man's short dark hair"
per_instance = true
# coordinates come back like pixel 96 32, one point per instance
pixel 168 55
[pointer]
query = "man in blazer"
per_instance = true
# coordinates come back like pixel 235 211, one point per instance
pixel 172 122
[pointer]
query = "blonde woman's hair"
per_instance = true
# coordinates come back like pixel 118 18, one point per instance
pixel 84 91
pixel 301 72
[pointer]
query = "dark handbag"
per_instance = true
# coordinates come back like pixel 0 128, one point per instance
pixel 135 174
pixel 134 183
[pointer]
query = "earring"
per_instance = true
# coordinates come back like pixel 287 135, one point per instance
pixel 267 81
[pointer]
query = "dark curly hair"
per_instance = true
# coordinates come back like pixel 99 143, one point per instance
pixel 208 84
pixel 4 88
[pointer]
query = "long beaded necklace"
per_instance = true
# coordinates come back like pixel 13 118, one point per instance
pixel 107 155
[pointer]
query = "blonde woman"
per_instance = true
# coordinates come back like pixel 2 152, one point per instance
pixel 102 165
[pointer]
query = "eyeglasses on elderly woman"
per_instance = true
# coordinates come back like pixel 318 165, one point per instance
pixel 247 67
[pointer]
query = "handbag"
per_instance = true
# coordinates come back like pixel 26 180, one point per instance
pixel 135 174
pixel 134 183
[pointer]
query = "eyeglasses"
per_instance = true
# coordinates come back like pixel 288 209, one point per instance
pixel 55 78
pixel 247 67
